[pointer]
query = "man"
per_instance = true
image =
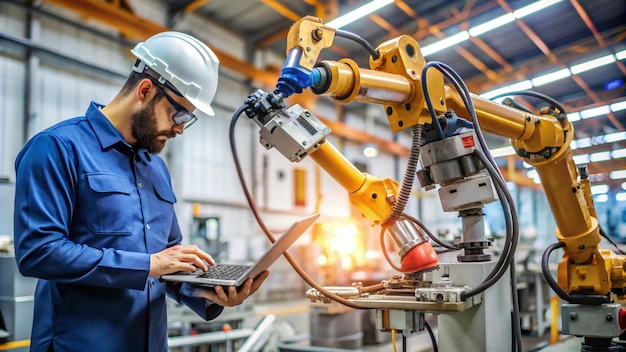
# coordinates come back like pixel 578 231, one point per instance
pixel 94 210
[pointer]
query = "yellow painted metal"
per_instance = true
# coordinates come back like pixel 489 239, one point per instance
pixel 349 82
pixel 494 118
pixel 402 56
pixel 130 25
pixel 338 167
pixel 367 193
pixel 311 36
pixel 14 344
pixel 605 271
pixel 614 264
pixel 554 321
pixel 375 199
pixel 280 8
pixel 585 188
pixel 194 5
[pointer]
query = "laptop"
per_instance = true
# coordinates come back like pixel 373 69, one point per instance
pixel 237 274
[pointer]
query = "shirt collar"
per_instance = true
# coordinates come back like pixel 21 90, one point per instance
pixel 106 133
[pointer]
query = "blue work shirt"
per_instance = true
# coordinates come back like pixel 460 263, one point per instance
pixel 89 211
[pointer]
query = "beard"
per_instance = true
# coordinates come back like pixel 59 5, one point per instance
pixel 144 130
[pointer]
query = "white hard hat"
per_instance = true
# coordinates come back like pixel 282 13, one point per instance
pixel 183 61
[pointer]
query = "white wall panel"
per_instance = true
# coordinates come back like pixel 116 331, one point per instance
pixel 12 19
pixel 84 46
pixel 211 34
pixel 155 11
pixel 59 94
pixel 208 168
pixel 11 112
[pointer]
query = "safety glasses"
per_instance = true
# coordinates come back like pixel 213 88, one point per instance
pixel 181 116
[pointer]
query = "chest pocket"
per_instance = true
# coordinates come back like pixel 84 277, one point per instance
pixel 111 204
pixel 165 211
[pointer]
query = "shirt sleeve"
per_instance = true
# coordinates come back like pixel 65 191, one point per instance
pixel 45 197
pixel 184 294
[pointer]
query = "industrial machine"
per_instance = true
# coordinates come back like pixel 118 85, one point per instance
pixel 16 291
pixel 472 295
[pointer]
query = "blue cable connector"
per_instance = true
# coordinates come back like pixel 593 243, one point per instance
pixel 293 78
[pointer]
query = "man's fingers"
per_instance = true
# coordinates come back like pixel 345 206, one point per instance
pixel 205 256
pixel 259 281
pixel 193 249
pixel 219 290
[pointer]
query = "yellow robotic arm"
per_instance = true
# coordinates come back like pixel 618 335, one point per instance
pixel 395 80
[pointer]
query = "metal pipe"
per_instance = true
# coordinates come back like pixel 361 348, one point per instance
pixel 260 335
pixel 58 56
pixel 208 338
pixel 338 167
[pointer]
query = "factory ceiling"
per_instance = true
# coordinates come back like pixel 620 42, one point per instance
pixel 579 44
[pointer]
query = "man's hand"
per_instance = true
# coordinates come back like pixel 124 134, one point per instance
pixel 234 298
pixel 179 258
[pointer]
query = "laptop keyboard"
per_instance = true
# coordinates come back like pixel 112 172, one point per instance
pixel 225 271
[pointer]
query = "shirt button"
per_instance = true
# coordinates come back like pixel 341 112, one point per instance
pixel 151 284
pixel 140 185
pixel 148 226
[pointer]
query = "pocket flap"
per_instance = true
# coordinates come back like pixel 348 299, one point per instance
pixel 165 193
pixel 109 183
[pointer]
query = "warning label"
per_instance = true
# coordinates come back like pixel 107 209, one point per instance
pixel 468 141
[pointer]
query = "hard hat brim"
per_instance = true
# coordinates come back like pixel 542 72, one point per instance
pixel 201 108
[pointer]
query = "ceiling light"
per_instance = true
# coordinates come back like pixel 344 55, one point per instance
pixel 532 8
pixel 618 106
pixel 583 142
pixel 532 174
pixel 551 77
pixel 623 185
pixel 581 159
pixel 617 174
pixel 621 55
pixel 358 13
pixel 619 153
pixel 599 189
pixel 554 76
pixel 483 27
pixel 601 198
pixel 370 150
pixel 590 65
pixel 597 140
pixel 600 156
pixel 614 137
pixel 573 117
pixel 523 85
pixel 597 177
pixel 526 165
pixel 593 112
pixel 620 197
pixel 445 43
pixel 490 25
